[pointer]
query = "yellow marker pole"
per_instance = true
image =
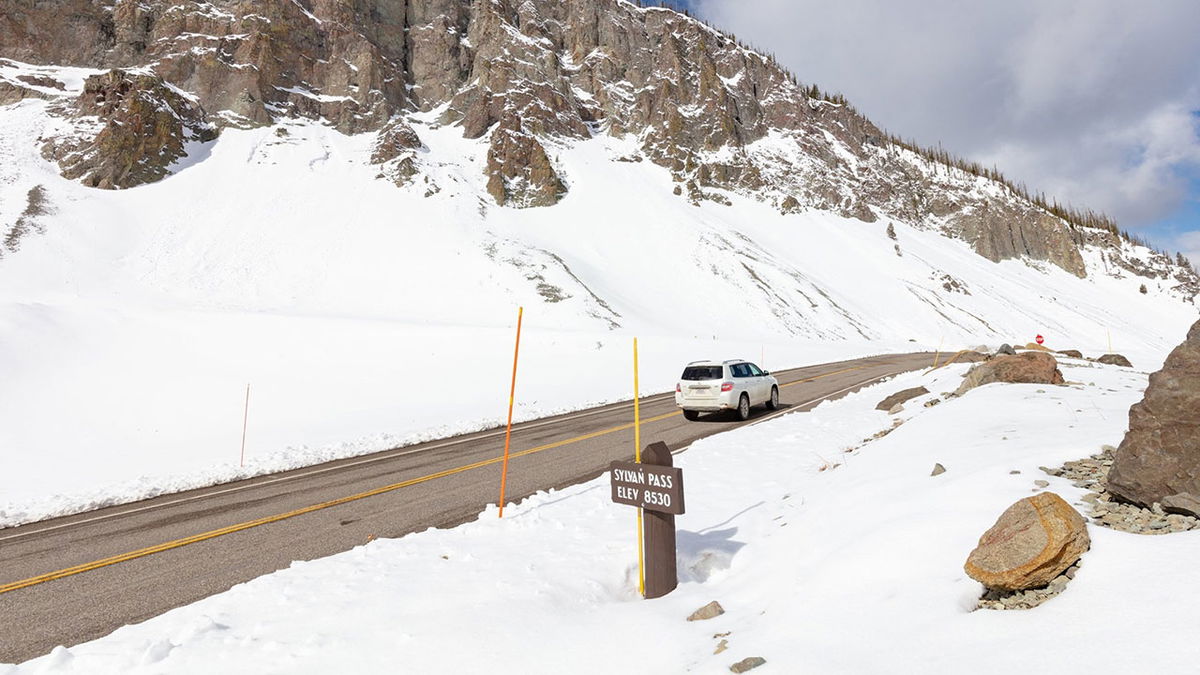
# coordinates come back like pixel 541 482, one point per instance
pixel 512 394
pixel 938 355
pixel 637 457
pixel 1109 340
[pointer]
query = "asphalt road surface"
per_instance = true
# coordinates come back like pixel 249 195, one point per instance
pixel 73 579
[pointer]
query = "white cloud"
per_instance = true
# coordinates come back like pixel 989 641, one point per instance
pixel 1189 244
pixel 1090 101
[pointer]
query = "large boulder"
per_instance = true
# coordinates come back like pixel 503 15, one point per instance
pixel 901 397
pixel 1073 353
pixel 1033 541
pixel 1026 367
pixel 1159 460
pixel 1115 360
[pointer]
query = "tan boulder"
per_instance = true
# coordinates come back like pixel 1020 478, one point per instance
pixel 1026 367
pixel 1033 541
pixel 1033 346
pixel 1115 360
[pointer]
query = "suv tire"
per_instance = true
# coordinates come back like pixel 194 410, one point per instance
pixel 691 415
pixel 773 403
pixel 743 409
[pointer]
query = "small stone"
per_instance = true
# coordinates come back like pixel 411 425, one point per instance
pixel 721 646
pixel 709 611
pixel 748 663
pixel 938 469
pixel 1013 472
pixel 1042 483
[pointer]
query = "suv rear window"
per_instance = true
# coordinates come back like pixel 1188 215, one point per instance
pixel 702 373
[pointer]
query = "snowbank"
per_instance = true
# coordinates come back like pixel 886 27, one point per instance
pixel 830 555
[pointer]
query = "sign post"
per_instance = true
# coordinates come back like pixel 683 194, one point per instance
pixel 656 487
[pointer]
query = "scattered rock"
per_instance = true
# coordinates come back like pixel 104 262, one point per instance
pixel 1027 367
pixel 721 646
pixel 1073 353
pixel 1029 598
pixel 1006 349
pixel 901 397
pixel 896 409
pixel 1034 540
pixel 972 356
pixel 749 663
pixel 1042 483
pixel 709 611
pixel 1159 458
pixel 938 469
pixel 1108 511
pixel 932 402
pixel 1115 360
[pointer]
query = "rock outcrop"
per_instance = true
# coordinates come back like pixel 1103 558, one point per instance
pixel 1159 459
pixel 142 128
pixel 719 116
pixel 1034 540
pixel 1073 353
pixel 1026 368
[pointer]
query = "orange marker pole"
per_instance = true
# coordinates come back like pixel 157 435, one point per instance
pixel 245 420
pixel 512 393
pixel 637 457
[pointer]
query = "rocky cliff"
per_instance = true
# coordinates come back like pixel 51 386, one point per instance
pixel 523 74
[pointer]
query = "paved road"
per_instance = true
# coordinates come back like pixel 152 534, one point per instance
pixel 74 579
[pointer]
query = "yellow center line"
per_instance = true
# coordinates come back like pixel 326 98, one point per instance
pixel 212 534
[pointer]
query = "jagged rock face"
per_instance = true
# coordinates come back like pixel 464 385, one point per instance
pixel 396 150
pixel 721 118
pixel 143 128
pixel 520 173
pixel 1159 459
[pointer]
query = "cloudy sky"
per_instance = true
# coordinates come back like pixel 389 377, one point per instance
pixel 1095 102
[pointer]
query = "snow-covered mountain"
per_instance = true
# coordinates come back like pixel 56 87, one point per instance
pixel 344 203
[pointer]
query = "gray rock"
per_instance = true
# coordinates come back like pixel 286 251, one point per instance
pixel 901 397
pixel 1006 349
pixel 1160 454
pixel 1042 483
pixel 1115 360
pixel 938 469
pixel 1183 503
pixel 709 611
pixel 748 663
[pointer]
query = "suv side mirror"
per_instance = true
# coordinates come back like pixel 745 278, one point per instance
pixel 766 372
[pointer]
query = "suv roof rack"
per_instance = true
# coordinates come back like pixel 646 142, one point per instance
pixel 734 361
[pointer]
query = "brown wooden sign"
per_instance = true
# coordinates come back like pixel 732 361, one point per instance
pixel 654 488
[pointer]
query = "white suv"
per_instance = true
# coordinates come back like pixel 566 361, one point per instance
pixel 708 386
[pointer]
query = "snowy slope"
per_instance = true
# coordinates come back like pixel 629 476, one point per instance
pixel 366 315
pixel 846 557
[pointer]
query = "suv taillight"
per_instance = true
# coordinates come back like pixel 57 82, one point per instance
pixel 678 388
pixel 726 386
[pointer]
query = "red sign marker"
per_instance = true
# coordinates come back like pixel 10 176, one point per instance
pixel 1041 340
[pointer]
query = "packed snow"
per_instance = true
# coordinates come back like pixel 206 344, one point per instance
pixel 365 315
pixel 829 552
